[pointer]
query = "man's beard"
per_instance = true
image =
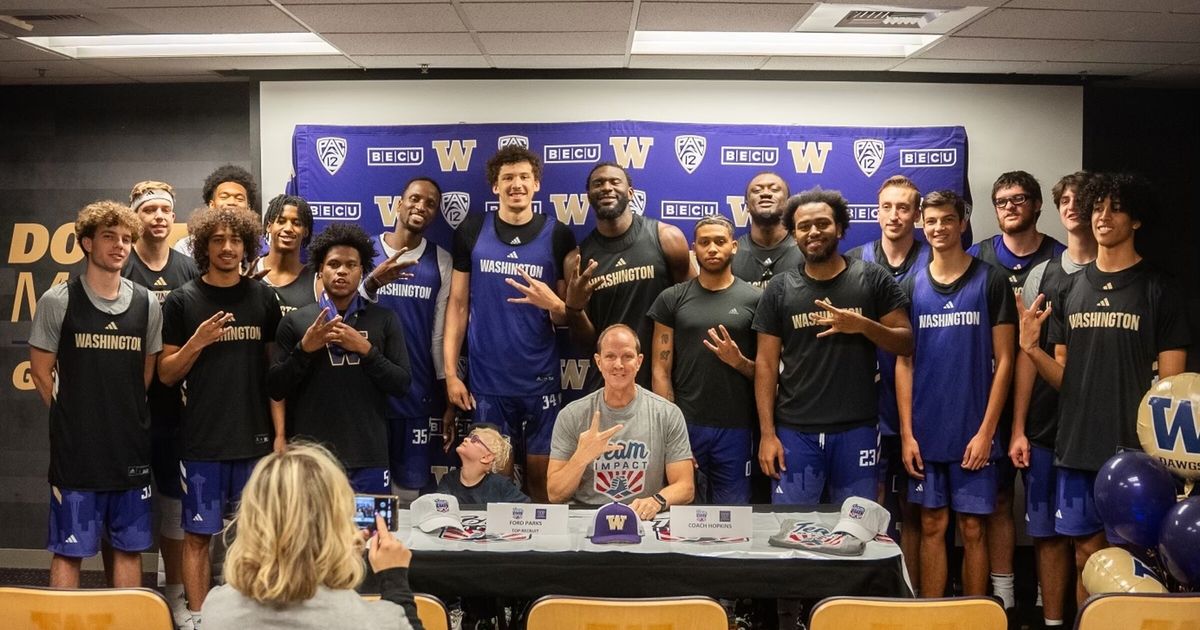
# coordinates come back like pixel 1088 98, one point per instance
pixel 607 213
pixel 823 255
pixel 767 220
pixel 1025 224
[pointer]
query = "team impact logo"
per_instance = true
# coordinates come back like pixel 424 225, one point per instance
pixel 455 205
pixel 689 150
pixel 510 140
pixel 868 153
pixel 331 150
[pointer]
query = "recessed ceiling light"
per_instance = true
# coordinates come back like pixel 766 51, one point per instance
pixel 780 44
pixel 195 45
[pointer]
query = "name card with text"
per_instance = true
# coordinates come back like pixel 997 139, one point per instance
pixel 697 521
pixel 527 518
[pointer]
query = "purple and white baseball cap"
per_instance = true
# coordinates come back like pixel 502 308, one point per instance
pixel 616 523
pixel 431 512
pixel 863 519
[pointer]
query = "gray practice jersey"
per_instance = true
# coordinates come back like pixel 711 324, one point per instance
pixel 52 308
pixel 654 435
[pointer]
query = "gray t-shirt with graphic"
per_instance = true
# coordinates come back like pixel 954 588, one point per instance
pixel 654 435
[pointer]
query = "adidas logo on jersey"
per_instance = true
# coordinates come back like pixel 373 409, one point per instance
pixel 72 540
pixel 160 282
pixel 197 518
pixel 620 262
pixel 1107 287
pixel 1013 279
pixel 516 240
pixel 111 326
pixel 767 262
pixel 1103 302
pixel 512 255
pixel 1058 514
pixel 949 305
pixel 778 489
pixel 733 311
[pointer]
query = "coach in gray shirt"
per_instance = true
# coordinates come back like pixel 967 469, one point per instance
pixel 622 443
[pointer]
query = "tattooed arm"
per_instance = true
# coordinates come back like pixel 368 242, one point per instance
pixel 664 345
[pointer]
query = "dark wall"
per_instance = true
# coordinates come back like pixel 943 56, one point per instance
pixel 1155 132
pixel 60 149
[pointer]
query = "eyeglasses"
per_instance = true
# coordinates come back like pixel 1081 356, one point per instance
pixel 474 438
pixel 1015 200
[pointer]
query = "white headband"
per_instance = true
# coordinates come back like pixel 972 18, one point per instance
pixel 153 195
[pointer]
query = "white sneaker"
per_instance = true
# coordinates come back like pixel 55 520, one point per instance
pixel 186 624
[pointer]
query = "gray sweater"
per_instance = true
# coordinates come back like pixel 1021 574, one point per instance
pixel 227 609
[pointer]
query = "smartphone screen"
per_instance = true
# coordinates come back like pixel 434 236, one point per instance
pixel 366 506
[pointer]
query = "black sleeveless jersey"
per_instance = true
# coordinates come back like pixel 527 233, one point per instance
pixel 99 420
pixel 1041 422
pixel 631 272
pixel 296 294
pixel 179 270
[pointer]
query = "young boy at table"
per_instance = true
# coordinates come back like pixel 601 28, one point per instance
pixel 486 465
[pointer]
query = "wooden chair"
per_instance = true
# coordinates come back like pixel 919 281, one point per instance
pixel 36 608
pixel 432 612
pixel 1140 611
pixel 881 613
pixel 557 612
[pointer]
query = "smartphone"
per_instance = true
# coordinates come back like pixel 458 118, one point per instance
pixel 366 506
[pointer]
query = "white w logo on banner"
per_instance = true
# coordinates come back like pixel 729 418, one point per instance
pixel 332 153
pixel 689 150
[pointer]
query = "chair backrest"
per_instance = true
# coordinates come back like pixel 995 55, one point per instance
pixel 1140 611
pixel 556 612
pixel 432 612
pixel 32 608
pixel 880 613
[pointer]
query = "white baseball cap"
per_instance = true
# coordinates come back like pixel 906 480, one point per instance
pixel 432 512
pixel 863 519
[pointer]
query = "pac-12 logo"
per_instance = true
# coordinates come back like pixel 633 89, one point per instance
pixel 689 150
pixel 868 153
pixel 331 151
pixel 510 140
pixel 637 201
pixel 455 205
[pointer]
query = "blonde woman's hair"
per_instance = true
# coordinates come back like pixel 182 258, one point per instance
pixel 295 529
pixel 500 447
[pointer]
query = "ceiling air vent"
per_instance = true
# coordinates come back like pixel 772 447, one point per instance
pixel 50 17
pixel 887 19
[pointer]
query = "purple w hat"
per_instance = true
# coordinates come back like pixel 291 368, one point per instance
pixel 616 523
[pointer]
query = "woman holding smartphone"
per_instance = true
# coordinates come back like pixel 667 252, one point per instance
pixel 298 555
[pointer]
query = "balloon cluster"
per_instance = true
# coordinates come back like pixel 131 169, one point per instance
pixel 1136 496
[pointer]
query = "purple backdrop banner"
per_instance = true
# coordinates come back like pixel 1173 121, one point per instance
pixel 680 172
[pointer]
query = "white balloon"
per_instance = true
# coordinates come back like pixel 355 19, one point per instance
pixel 1168 423
pixel 1114 570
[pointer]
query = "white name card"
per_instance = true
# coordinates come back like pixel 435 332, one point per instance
pixel 527 518
pixel 712 521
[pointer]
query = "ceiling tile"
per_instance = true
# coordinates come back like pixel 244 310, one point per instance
pixel 698 62
pixel 147 4
pixel 415 61
pixel 1149 6
pixel 1158 53
pixel 18 51
pixel 988 67
pixel 1115 69
pixel 554 43
pixel 88 22
pixel 1002 49
pixel 210 64
pixel 211 77
pixel 9 7
pixel 64 69
pixel 1029 23
pixel 697 16
pixel 266 19
pixel 380 18
pixel 557 16
pixel 1185 74
pixel 832 64
pixel 1164 27
pixel 404 43
pixel 558 61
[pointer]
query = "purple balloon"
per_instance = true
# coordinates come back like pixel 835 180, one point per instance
pixel 1179 542
pixel 1134 491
